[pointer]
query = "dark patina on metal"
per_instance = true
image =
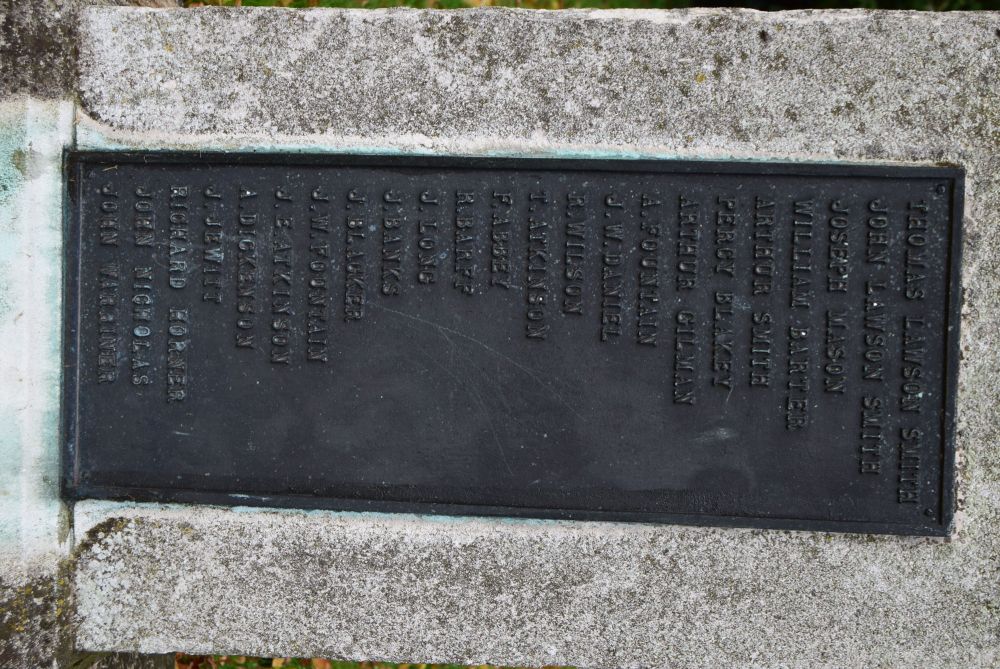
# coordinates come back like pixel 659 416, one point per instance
pixel 725 343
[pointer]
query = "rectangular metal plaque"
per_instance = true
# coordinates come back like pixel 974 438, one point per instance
pixel 758 344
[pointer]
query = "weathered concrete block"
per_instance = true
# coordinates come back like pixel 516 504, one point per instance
pixel 38 40
pixel 804 85
pixel 852 85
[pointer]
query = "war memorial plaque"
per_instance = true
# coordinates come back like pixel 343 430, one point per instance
pixel 756 344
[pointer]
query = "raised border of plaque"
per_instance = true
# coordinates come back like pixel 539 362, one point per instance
pixel 143 436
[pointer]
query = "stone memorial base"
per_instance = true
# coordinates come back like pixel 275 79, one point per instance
pixel 832 86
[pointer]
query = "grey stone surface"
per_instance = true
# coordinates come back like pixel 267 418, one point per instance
pixel 806 85
pixel 896 85
pixel 38 44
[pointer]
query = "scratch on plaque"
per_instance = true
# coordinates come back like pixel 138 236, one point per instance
pixel 482 405
pixel 527 370
pixel 493 429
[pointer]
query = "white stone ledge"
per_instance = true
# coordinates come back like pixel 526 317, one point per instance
pixel 398 587
pixel 914 85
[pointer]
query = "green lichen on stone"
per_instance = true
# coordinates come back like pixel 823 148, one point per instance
pixel 101 532
pixel 28 622
pixel 844 108
pixel 18 160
